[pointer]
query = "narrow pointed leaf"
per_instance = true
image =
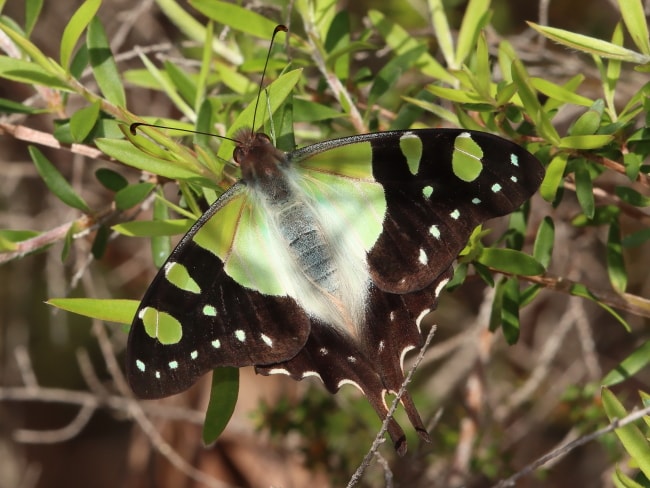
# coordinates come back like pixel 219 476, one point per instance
pixel 56 182
pixel 223 398
pixel 120 311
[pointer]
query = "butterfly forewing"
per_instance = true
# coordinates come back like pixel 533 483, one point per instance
pixel 195 317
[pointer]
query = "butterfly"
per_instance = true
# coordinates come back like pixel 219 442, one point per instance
pixel 323 261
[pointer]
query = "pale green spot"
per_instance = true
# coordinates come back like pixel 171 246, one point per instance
pixel 240 335
pixel 216 343
pixel 140 365
pixel 434 231
pixel 178 276
pixel 455 214
pixel 423 258
pixel 514 179
pixel 161 326
pixel 466 158
pixel 352 160
pixel 476 201
pixel 427 191
pixel 496 188
pixel 411 147
pixel 173 364
pixel 209 310
pixel 514 159
pixel 157 375
pixel 194 354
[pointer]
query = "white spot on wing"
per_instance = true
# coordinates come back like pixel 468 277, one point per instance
pixel 173 364
pixel 352 359
pixel 423 258
pixel 194 354
pixel 267 340
pixel 496 188
pixel 455 214
pixel 216 343
pixel 240 335
pixel 420 317
pixel 140 365
pixel 514 179
pixel 157 375
pixel 314 374
pixel 434 231
pixel 514 159
pixel 476 201
pixel 279 371
pixel 440 286
pixel 323 351
pixel 350 382
pixel 403 355
pixel 381 345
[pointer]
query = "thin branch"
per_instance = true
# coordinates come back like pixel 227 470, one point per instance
pixel 380 437
pixel 567 448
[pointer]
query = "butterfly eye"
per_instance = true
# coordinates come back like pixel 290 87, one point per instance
pixel 238 154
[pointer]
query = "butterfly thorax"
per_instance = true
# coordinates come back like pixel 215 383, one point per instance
pixel 322 275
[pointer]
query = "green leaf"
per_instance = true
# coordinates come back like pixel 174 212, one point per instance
pixel 161 246
pixel 32 11
pixel 476 16
pixel 632 196
pixel 10 237
pixel 132 195
pixel 195 31
pixel 239 18
pixel 630 366
pixel 83 121
pixel 584 190
pixel 510 311
pixel 590 45
pixel 585 142
pixel 633 440
pixel 56 182
pixel 111 179
pixel 559 93
pixel 543 248
pixel 531 104
pixel 29 73
pixel 223 398
pixel 75 27
pixel 497 305
pixel 168 87
pixel 103 64
pixel 120 311
pixel 277 92
pixel 100 243
pixel 615 261
pixel 635 20
pixel 124 152
pixel 510 261
pixel 455 94
pixel 442 32
pixel 402 41
pixel 589 122
pixel 153 228
pixel 621 480
pixel 636 238
pixel 11 107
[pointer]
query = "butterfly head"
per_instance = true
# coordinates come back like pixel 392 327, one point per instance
pixel 256 155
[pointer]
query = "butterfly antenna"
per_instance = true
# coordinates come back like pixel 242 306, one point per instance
pixel 278 28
